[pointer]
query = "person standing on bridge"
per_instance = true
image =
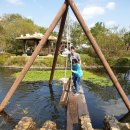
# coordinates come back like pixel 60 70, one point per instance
pixel 73 55
pixel 77 74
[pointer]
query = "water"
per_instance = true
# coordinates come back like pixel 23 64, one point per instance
pixel 41 102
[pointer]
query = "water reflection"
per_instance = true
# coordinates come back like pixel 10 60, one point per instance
pixel 105 93
pixel 127 76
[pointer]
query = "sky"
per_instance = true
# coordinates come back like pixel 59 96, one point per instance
pixel 42 12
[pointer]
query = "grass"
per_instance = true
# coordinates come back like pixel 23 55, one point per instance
pixel 33 76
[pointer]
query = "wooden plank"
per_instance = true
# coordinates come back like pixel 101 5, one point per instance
pixel 77 109
pixel 82 106
pixel 86 123
pixel 69 120
pixel 64 96
pixel 83 111
pixel 73 107
pixel 72 111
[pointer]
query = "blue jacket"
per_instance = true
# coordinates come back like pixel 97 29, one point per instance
pixel 77 70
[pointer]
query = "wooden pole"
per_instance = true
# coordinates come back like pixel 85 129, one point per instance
pixel 33 57
pixel 58 44
pixel 99 53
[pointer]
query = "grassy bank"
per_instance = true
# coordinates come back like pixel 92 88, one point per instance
pixel 33 76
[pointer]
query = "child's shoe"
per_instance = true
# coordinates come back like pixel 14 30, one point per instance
pixel 76 93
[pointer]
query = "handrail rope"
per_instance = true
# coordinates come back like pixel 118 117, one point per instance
pixel 68 38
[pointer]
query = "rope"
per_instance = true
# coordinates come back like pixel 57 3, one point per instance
pixel 68 39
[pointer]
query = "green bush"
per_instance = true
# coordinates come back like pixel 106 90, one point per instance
pixel 47 61
pixel 61 61
pixel 16 61
pixel 39 63
pixel 87 60
pixel 123 62
pixel 89 51
pixel 4 57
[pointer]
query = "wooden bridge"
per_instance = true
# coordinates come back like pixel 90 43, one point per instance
pixel 77 111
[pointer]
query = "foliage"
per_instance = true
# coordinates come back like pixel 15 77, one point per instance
pixel 45 75
pixel 99 29
pixel 87 60
pixel 110 42
pixel 16 61
pixel 12 26
pixel 4 57
pixel 41 61
pixel 78 36
pixel 126 38
pixel 61 61
pixel 123 62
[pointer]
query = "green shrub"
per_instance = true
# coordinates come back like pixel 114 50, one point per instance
pixel 47 61
pixel 4 57
pixel 61 61
pixel 16 61
pixel 112 61
pixel 87 60
pixel 123 62
pixel 39 63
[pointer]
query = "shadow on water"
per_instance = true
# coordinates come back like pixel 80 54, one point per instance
pixel 125 118
pixel 7 120
pixel 41 101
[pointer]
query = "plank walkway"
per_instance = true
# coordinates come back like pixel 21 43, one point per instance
pixel 77 111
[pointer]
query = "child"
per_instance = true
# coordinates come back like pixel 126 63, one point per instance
pixel 77 74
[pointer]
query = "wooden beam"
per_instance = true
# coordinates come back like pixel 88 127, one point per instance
pixel 58 44
pixel 72 111
pixel 82 105
pixel 83 112
pixel 64 96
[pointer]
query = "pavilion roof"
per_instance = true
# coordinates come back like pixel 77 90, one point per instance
pixel 36 36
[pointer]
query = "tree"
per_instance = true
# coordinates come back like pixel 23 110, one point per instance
pixel 77 34
pixel 99 29
pixel 126 37
pixel 109 41
pixel 14 25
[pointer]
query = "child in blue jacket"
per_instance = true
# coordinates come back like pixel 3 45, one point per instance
pixel 77 74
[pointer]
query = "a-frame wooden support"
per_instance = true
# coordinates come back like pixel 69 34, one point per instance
pixel 43 41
